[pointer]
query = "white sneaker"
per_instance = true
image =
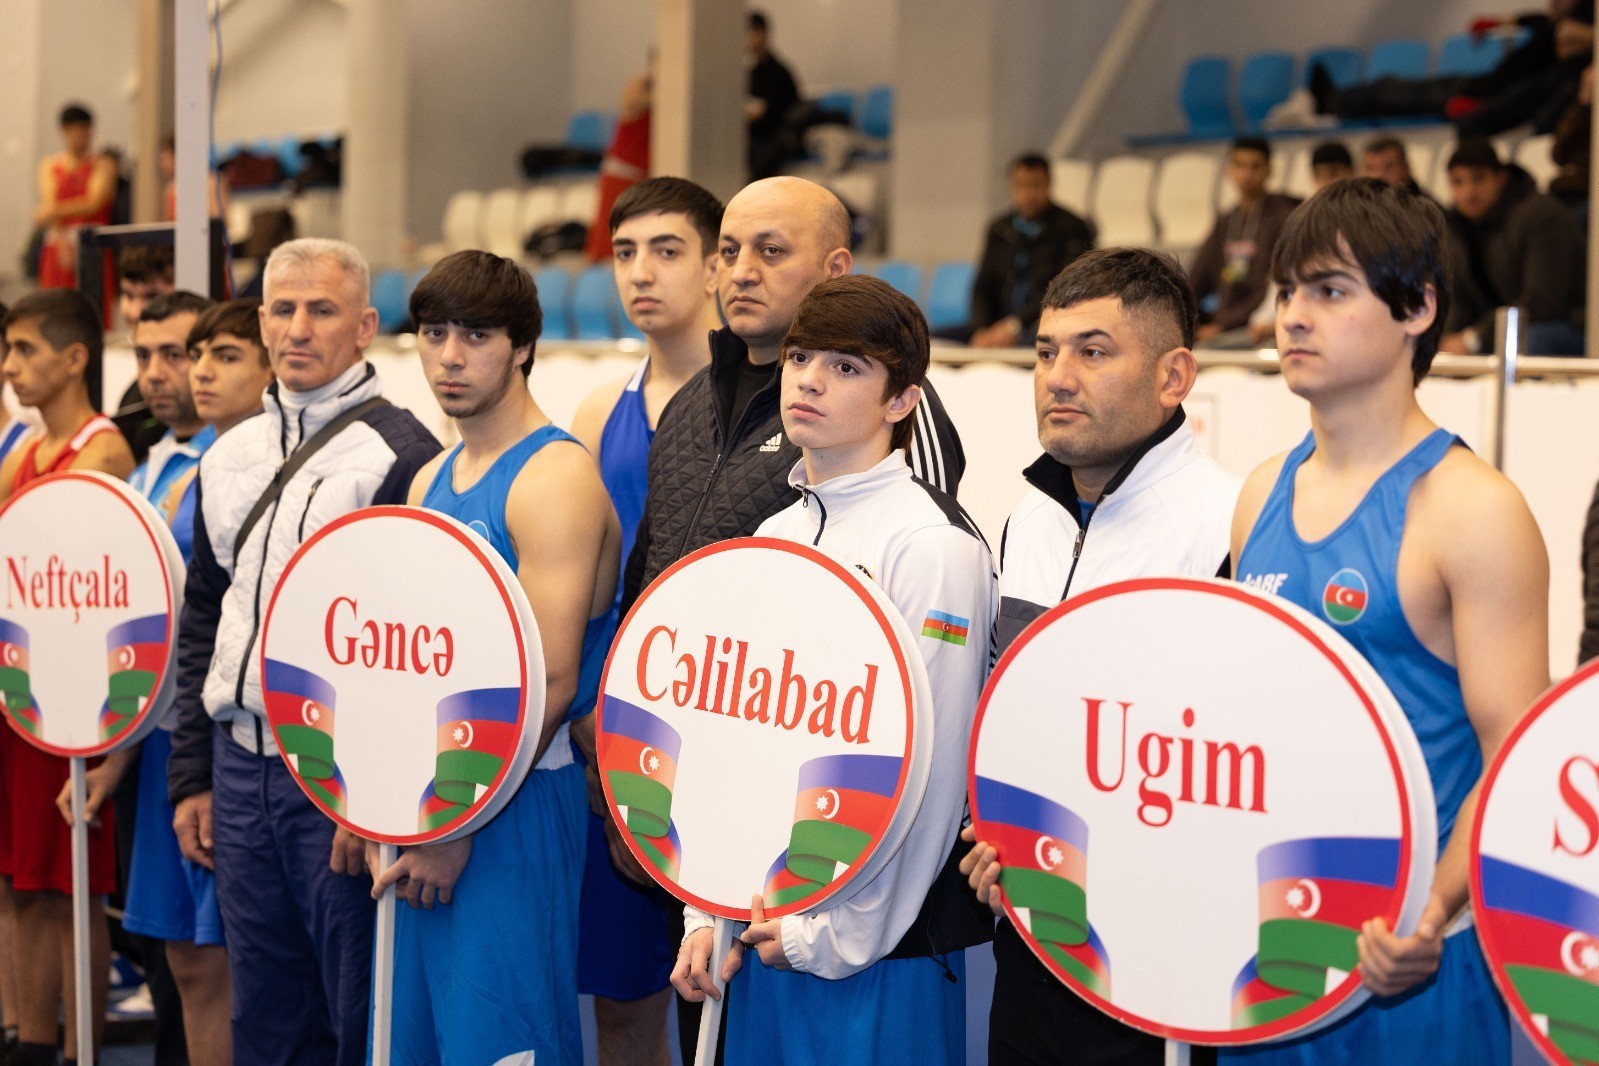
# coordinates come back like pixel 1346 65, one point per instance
pixel 135 1006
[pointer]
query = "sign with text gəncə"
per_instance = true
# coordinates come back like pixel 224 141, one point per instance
pixel 403 675
pixel 89 614
pixel 1535 869
pixel 1198 794
pixel 757 728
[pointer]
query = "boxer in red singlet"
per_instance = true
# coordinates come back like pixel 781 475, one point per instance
pixel 76 188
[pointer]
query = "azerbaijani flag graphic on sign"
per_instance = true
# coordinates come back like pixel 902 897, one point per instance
pixel 136 652
pixel 16 691
pixel 477 735
pixel 1546 936
pixel 1344 598
pixel 1314 895
pixel 842 804
pixel 1043 854
pixel 637 754
pixel 299 704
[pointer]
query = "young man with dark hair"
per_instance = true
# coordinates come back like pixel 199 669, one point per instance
pixel 230 369
pixel 844 984
pixel 1330 161
pixel 297 919
pixel 143 273
pixel 1023 249
pixel 499 907
pixel 1510 246
pixel 663 248
pixel 1122 491
pixel 1457 626
pixel 52 344
pixel 1229 271
pixel 76 188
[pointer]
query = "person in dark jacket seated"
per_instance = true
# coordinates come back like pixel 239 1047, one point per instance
pixel 1510 246
pixel 1025 247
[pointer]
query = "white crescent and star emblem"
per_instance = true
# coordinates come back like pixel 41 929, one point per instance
pixel 1047 853
pixel 1305 897
pixel 125 657
pixel 462 734
pixel 310 712
pixel 1579 954
pixel 13 655
pixel 648 761
pixel 827 804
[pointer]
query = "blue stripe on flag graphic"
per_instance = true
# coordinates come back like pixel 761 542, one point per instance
pixel 1371 860
pixel 868 773
pixel 1000 802
pixel 481 705
pixel 1508 887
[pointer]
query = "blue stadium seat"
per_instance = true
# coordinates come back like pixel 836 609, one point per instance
pixel 289 157
pixel 949 295
pixel 1341 64
pixel 1264 81
pixel 1203 97
pixel 591 130
pixel 842 101
pixel 906 277
pixel 1463 56
pixel 593 298
pixel 391 295
pixel 877 112
pixel 1398 58
pixel 554 286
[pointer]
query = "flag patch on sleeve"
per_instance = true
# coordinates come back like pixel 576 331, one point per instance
pixel 946 627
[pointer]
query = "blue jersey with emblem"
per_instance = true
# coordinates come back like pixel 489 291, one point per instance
pixel 482 509
pixel 169 460
pixel 1348 579
pixel 624 458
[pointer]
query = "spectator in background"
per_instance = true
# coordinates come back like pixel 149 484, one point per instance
pixel 1230 271
pixel 144 271
pixel 773 92
pixel 1572 151
pixel 1025 247
pixel 1384 159
pixel 1329 162
pixel 76 188
pixel 626 162
pixel 216 186
pixel 1510 245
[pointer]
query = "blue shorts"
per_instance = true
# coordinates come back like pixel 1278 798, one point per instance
pixel 1456 1017
pixel 898 1012
pixel 624 944
pixel 169 897
pixel 490 975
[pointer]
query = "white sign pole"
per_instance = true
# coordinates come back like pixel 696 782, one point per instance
pixel 711 1015
pixel 80 914
pixel 1177 1053
pixel 383 978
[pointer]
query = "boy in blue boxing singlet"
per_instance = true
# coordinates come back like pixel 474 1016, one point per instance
pixel 489 975
pixel 1421 555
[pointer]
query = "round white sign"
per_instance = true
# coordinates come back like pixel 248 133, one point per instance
pixel 757 729
pixel 88 619
pixel 1535 869
pixel 1198 796
pixel 403 675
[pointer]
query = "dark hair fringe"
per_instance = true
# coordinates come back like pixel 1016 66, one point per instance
pixel 1148 283
pixel 478 290
pixel 176 302
pixel 668 195
pixel 242 318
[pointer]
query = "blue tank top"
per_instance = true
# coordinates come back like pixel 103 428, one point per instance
pixel 1349 579
pixel 624 458
pixel 481 508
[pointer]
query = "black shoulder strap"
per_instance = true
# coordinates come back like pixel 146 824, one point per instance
pixel 293 463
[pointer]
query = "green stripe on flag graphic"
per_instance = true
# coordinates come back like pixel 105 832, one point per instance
pixel 27 725
pixel 1577 1043
pixel 784 896
pixel 1296 953
pixel 442 817
pixel 651 852
pixel 14 687
pixel 1088 977
pixel 648 802
pixel 1060 904
pixel 457 774
pixel 816 848
pixel 130 685
pixel 1270 1010
pixel 1568 1000
pixel 312 749
pixel 332 801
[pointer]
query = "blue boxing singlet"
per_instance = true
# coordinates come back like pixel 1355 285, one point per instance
pixel 624 458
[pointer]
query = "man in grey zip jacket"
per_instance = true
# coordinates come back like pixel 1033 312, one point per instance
pixel 299 931
pixel 1122 491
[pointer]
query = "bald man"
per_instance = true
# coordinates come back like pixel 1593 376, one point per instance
pixel 719 465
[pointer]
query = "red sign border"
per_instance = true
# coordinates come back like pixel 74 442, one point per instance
pixel 435 520
pixel 804 551
pixel 1288 1024
pixel 111 485
pixel 1552 695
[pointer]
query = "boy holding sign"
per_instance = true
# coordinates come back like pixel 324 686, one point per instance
pixel 852 364
pixel 1424 557
pixel 511 890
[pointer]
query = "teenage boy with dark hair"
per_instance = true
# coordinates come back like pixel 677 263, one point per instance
pixel 1122 491
pixel 487 977
pixel 53 345
pixel 663 249
pixel 143 273
pixel 1229 272
pixel 1330 161
pixel 1457 626
pixel 852 362
pixel 231 369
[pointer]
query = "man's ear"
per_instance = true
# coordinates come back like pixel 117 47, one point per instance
pixel 77 359
pixel 368 331
pixel 520 356
pixel 838 262
pixel 1176 372
pixel 1420 318
pixel 901 406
